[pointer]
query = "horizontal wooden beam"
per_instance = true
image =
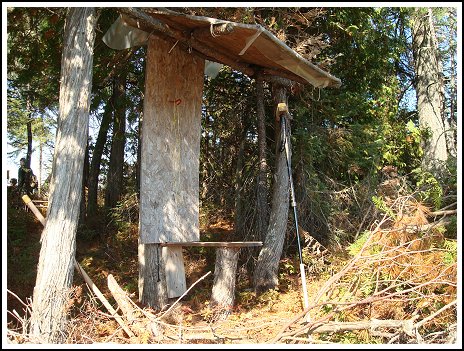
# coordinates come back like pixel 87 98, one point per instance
pixel 215 243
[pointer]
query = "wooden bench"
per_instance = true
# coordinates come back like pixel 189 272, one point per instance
pixel 227 253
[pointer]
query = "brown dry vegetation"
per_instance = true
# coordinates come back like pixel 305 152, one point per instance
pixel 396 284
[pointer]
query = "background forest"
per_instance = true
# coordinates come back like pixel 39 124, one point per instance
pixel 379 203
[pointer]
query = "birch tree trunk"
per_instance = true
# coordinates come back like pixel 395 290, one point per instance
pixel 266 271
pixel 55 268
pixel 428 90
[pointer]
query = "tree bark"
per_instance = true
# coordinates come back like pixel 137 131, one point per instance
pixel 96 160
pixel 152 277
pixel 116 166
pixel 29 134
pixel 427 84
pixel 239 220
pixel 223 293
pixel 85 182
pixel 56 262
pixel 266 271
pixel 262 191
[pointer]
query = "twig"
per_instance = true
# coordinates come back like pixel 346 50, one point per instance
pixel 19 299
pixel 433 315
pixel 185 293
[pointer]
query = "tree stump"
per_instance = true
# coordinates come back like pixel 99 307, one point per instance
pixel 223 293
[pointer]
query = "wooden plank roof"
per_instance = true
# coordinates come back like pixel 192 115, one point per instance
pixel 249 48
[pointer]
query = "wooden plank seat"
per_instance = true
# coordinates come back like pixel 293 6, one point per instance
pixel 215 243
pixel 227 253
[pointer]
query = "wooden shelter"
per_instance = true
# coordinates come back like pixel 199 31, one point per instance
pixel 179 45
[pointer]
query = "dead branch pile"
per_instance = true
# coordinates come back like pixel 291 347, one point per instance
pixel 400 285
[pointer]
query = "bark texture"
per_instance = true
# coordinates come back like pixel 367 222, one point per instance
pixel 152 278
pixel 115 171
pixel 265 275
pixel 56 262
pixel 223 294
pixel 428 90
pixel 96 161
pixel 262 191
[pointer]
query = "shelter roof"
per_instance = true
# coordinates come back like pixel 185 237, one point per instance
pixel 249 48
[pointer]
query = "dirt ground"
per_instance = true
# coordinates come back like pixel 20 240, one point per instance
pixel 254 319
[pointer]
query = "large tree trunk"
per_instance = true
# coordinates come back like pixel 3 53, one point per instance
pixel 450 118
pixel 428 91
pixel 266 271
pixel 55 269
pixel 262 191
pixel 116 166
pixel 96 161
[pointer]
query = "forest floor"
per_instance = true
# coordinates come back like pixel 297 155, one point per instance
pixel 253 320
pixel 273 317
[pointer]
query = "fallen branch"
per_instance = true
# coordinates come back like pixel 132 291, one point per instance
pixel 442 213
pixel 122 299
pixel 185 293
pixel 334 327
pixel 433 315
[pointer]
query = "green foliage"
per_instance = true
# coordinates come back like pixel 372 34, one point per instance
pixel 380 204
pixel 126 211
pixel 356 246
pixel 429 188
pixel 451 255
pixel 269 298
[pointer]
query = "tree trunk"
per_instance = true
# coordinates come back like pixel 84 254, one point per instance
pixel 96 161
pixel 56 262
pixel 239 220
pixel 85 182
pixel 39 177
pixel 205 166
pixel 29 134
pixel 266 271
pixel 262 191
pixel 115 171
pixel 139 154
pixel 427 84
pixel 152 277
pixel 450 123
pixel 225 273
